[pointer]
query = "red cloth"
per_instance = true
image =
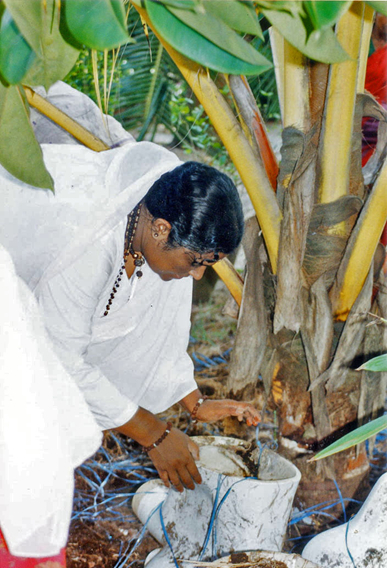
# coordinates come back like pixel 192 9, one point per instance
pixel 376 84
pixel 7 560
pixel 376 74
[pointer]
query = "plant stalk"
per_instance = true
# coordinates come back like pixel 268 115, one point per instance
pixel 361 248
pixel 234 282
pixel 253 125
pixel 340 107
pixel 364 46
pixel 296 89
pixel 64 121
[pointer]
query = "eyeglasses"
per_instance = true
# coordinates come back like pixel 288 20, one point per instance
pixel 205 261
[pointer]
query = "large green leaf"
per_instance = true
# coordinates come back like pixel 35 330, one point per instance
pixel 39 23
pixel 325 13
pixel 16 55
pixel 239 16
pixel 20 152
pixel 216 31
pixel 378 364
pixel 99 24
pixel 284 5
pixel 185 4
pixel 320 45
pixel 378 5
pixel 354 438
pixel 196 47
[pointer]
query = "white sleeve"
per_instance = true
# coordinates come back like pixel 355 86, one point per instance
pixel 68 302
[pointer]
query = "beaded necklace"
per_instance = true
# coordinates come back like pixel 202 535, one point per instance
pixel 130 231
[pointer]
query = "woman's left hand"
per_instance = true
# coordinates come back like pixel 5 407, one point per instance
pixel 213 410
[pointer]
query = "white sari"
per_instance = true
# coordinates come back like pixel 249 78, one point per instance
pixel 68 248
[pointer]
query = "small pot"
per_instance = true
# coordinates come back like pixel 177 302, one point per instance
pixel 243 503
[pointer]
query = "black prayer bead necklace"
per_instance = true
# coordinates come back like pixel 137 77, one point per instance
pixel 139 260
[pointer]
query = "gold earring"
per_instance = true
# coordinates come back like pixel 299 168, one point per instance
pixel 155 235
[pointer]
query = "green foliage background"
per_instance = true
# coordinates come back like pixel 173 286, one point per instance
pixel 148 91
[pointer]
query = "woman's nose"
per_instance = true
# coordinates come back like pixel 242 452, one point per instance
pixel 197 272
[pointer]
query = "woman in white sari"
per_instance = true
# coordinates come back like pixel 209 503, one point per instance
pixel 111 258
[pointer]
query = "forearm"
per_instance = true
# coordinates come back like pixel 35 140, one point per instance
pixel 211 410
pixel 189 401
pixel 144 427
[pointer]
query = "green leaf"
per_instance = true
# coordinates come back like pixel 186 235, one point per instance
pixel 279 5
pixel 220 34
pixel 185 4
pixel 378 5
pixel 20 152
pixel 239 16
pixel 16 55
pixel 325 13
pixel 320 45
pixel 377 364
pixel 99 24
pixel 39 24
pixel 198 48
pixel 354 438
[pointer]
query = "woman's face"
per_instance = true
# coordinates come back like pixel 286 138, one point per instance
pixel 179 262
pixel 169 263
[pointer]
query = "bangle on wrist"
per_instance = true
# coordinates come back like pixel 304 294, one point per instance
pixel 196 408
pixel 161 439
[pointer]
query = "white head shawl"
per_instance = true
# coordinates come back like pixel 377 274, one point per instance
pixel 45 233
pixel 93 191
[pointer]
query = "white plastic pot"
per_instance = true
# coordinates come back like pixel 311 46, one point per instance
pixel 231 510
pixel 264 559
pixel 261 558
pixel 364 537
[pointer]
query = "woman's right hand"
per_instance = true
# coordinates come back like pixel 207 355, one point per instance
pixel 174 458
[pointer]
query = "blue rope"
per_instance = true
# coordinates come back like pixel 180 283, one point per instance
pixel 222 501
pixel 166 535
pixel 120 563
pixel 212 518
pixel 341 499
pixel 346 545
pixel 203 362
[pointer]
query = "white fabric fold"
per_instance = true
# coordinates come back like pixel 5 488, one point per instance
pixel 46 428
pixel 68 248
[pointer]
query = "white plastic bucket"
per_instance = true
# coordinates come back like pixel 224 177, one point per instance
pixel 232 509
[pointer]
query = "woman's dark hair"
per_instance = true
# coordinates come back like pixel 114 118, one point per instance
pixel 201 204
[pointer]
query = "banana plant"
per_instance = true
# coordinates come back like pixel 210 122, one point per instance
pixel 310 248
pixel 303 317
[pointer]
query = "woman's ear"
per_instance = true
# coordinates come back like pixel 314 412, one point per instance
pixel 160 229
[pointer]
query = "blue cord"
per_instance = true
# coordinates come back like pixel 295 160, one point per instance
pixel 346 545
pixel 341 499
pixel 166 535
pixel 215 528
pixel 212 518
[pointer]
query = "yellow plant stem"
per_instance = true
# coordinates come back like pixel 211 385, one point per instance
pixel 234 282
pixel 371 222
pixel 253 125
pixel 64 121
pixel 252 172
pixel 339 109
pixel 296 89
pixel 364 46
pixel 277 48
